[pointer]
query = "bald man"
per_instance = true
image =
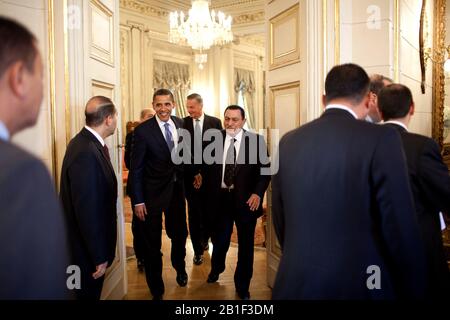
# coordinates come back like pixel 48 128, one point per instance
pixel 89 196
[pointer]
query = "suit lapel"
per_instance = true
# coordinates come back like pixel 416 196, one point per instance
pixel 101 156
pixel 157 133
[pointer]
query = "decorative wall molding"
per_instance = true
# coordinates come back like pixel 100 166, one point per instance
pixel 284 47
pixel 234 3
pixel 144 8
pixel 102 88
pixel 257 40
pixel 101 45
pixel 249 18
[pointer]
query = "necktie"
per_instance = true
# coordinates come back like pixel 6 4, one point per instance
pixel 230 164
pixel 168 136
pixel 105 149
pixel 197 142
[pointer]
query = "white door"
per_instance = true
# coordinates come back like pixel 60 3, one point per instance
pixel 94 69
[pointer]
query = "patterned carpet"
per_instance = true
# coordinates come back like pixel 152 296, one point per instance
pixel 259 230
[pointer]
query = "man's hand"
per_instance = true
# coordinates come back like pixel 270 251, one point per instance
pixel 253 202
pixel 140 211
pixel 101 269
pixel 198 181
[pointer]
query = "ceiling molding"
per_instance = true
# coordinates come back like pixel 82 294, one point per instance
pixel 144 8
pixel 254 9
pixel 249 18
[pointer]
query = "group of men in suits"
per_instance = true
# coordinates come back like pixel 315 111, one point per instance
pixel 343 210
pixel 355 205
pixel 160 185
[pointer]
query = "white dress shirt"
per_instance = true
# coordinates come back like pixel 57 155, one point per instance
pixel 341 107
pixel 237 145
pixel 401 124
pixel 200 122
pixel 4 133
pixel 172 128
pixel 100 139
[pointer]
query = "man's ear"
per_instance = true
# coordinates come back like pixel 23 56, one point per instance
pixel 368 99
pixel 411 109
pixel 16 79
pixel 324 100
pixel 109 120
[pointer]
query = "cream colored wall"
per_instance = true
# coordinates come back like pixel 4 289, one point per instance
pixel 33 14
pixel 368 37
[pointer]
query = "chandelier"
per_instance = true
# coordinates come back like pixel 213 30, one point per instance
pixel 201 29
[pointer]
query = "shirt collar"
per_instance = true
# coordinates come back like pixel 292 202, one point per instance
pixel 4 133
pixel 100 139
pixel 401 124
pixel 162 123
pixel 341 107
pixel 238 137
pixel 201 118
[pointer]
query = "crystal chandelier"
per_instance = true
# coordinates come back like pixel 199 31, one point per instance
pixel 201 29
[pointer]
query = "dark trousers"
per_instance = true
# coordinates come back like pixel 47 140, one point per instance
pixel 223 228
pixel 199 224
pixel 176 228
pixel 91 289
pixel 138 238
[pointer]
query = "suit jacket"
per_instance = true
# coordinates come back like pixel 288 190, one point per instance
pixel 33 232
pixel 153 173
pixel 430 183
pixel 248 178
pixel 127 160
pixel 342 203
pixel 128 146
pixel 193 169
pixel 89 197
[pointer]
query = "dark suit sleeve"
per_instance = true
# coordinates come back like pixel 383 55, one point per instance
pixel 399 227
pixel 128 146
pixel 264 165
pixel 138 156
pixel 89 211
pixel 35 252
pixel 434 177
pixel 218 124
pixel 277 209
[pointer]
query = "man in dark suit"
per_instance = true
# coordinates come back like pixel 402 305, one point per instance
pixel 342 206
pixel 138 239
pixel 33 236
pixel 240 183
pixel 89 196
pixel 197 176
pixel 430 183
pixel 158 187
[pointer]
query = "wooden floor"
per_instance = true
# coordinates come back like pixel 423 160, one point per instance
pixel 197 287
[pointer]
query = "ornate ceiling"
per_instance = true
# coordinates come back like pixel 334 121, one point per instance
pixel 248 15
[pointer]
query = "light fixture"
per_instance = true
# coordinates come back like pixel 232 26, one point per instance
pixel 200 59
pixel 201 29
